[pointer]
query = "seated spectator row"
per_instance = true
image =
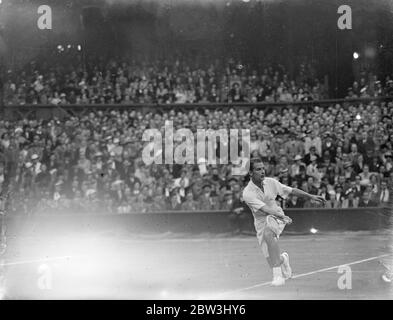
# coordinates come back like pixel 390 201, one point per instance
pixel 73 80
pixel 93 161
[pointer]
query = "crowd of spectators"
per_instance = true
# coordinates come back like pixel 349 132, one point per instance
pixel 76 80
pixel 72 79
pixel 93 162
pixel 370 88
pixel 91 80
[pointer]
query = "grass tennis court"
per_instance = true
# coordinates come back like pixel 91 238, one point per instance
pixel 183 267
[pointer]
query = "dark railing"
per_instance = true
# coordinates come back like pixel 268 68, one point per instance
pixel 60 111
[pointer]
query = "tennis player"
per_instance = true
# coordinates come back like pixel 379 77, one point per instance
pixel 269 218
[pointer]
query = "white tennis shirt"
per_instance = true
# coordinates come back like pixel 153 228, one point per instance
pixel 256 198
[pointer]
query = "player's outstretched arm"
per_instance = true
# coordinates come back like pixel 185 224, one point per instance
pixel 301 193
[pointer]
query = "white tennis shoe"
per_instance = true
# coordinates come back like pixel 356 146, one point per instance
pixel 278 281
pixel 285 266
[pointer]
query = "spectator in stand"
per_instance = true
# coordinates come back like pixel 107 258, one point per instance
pixel 296 166
pixel 365 201
pixel 388 161
pixel 350 201
pixel 205 201
pixel 349 173
pixel 365 176
pixel 312 168
pixel 313 144
pixel 189 204
pixel 366 142
pixel 294 202
pixel 338 198
pixel 384 195
pixel 227 202
pixel 312 153
pixel 174 203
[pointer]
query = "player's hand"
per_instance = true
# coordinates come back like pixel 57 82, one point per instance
pixel 287 220
pixel 319 199
pixel 280 211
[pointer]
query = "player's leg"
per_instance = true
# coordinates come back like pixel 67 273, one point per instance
pixel 272 253
pixel 273 248
pixel 277 226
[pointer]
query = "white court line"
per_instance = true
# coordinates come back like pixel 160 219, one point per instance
pixel 36 260
pixel 306 274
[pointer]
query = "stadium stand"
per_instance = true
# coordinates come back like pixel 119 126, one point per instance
pixel 93 160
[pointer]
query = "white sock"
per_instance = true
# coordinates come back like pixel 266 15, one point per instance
pixel 277 272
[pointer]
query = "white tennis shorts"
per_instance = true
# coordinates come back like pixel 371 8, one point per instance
pixel 271 222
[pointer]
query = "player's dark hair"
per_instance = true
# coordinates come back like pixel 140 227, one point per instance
pixel 253 162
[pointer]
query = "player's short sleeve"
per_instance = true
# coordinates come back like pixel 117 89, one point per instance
pixel 283 190
pixel 252 201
